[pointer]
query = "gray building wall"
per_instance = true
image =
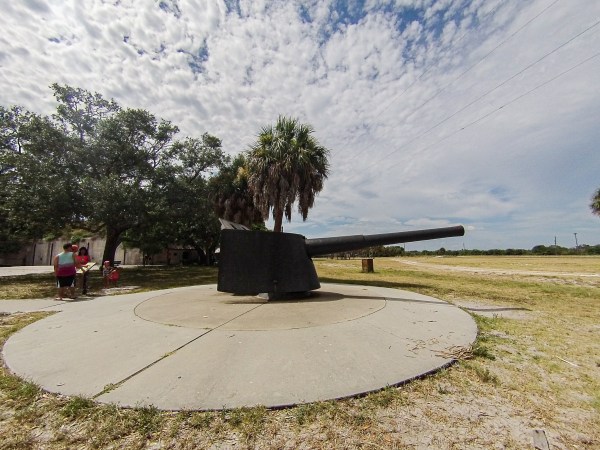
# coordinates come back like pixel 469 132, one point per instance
pixel 41 253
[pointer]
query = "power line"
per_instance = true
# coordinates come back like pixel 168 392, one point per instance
pixel 483 58
pixel 396 97
pixel 503 106
pixel 463 73
pixel 529 66
pixel 428 68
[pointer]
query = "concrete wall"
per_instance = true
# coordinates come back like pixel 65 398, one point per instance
pixel 42 252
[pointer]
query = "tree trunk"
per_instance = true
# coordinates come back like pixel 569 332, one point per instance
pixel 210 255
pixel 278 220
pixel 113 239
pixel 201 256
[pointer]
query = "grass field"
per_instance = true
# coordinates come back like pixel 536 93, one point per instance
pixel 535 366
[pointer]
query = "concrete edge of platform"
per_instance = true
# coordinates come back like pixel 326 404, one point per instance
pixel 129 302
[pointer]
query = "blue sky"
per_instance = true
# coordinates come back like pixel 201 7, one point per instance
pixel 482 112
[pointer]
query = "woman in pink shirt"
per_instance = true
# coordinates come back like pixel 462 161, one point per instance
pixel 65 269
pixel 83 258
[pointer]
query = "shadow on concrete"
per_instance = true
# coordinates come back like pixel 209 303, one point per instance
pixel 325 296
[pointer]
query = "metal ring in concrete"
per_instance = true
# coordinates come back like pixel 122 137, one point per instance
pixel 196 348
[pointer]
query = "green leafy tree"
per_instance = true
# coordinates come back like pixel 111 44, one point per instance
pixel 97 167
pixel 37 192
pixel 184 214
pixel 194 221
pixel 232 197
pixel 595 204
pixel 79 111
pixel 127 172
pixel 150 238
pixel 286 165
pixel 197 224
pixel 11 145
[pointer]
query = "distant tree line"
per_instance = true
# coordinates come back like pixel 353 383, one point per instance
pixel 94 167
pixel 396 250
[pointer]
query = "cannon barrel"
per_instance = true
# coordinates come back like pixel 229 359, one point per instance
pixel 325 246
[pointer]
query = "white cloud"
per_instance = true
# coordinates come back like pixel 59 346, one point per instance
pixel 421 102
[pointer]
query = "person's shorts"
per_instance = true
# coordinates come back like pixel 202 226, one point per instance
pixel 62 282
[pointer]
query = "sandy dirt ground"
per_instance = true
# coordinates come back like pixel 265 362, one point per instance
pixel 477 404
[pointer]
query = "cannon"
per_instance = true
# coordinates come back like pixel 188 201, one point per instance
pixel 280 264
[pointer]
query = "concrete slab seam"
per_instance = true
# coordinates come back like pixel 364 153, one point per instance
pixel 137 372
pixel 166 355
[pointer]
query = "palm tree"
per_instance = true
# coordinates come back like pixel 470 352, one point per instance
pixel 595 205
pixel 232 197
pixel 285 165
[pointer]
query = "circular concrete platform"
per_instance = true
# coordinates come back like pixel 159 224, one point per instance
pixel 196 348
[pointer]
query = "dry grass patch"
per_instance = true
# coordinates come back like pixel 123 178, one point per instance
pixel 539 373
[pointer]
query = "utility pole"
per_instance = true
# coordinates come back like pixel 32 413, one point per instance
pixel 576 244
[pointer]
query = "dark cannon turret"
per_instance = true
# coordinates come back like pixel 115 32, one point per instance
pixel 280 264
